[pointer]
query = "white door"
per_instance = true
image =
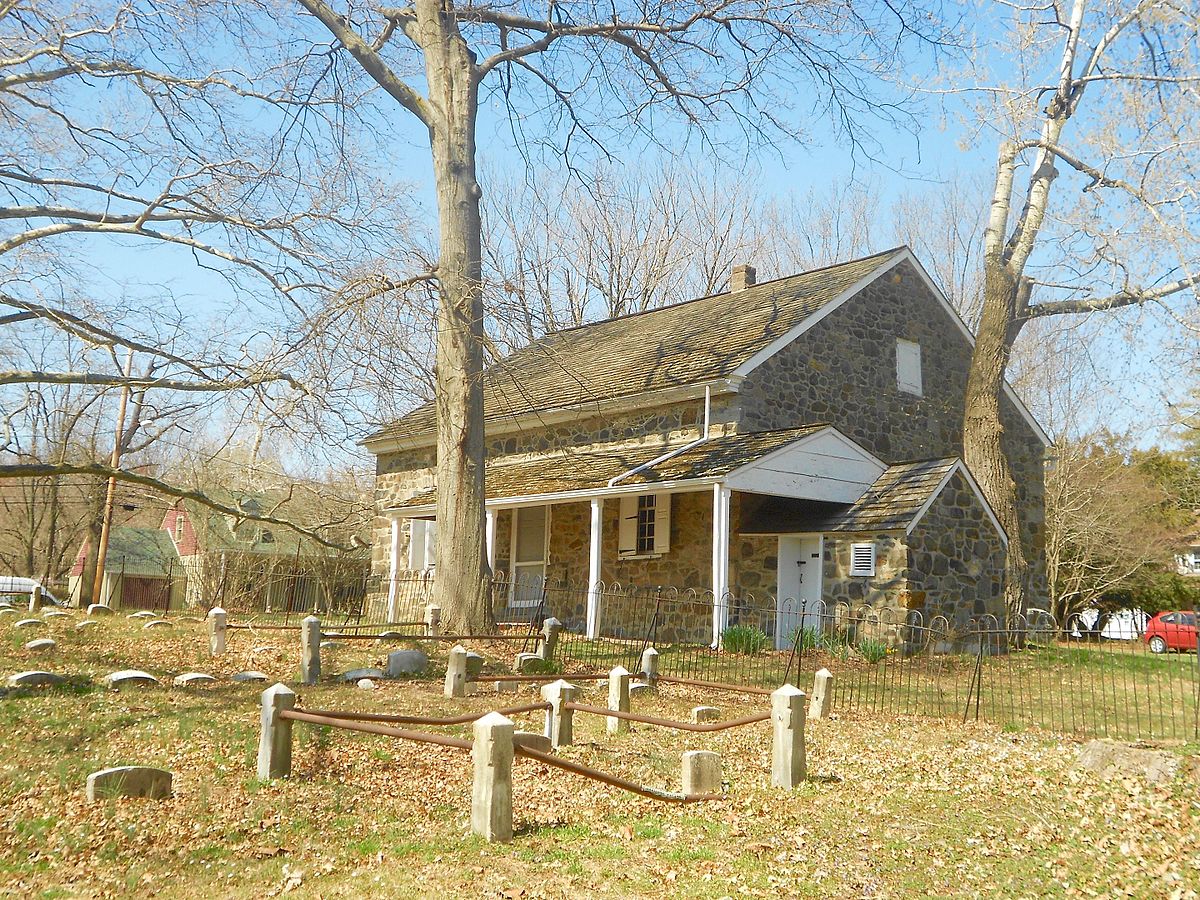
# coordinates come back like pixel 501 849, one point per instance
pixel 528 555
pixel 799 597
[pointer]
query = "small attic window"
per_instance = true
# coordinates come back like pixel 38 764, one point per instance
pixel 178 526
pixel 267 537
pixel 862 560
pixel 908 367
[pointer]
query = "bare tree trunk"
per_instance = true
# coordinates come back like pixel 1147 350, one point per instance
pixel 461 561
pixel 983 431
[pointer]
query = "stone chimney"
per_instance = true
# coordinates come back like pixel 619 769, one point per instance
pixel 742 278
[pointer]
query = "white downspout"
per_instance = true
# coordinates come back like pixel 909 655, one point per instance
pixel 670 453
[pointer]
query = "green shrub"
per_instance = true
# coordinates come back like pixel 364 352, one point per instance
pixel 834 643
pixel 872 650
pixel 744 639
pixel 805 638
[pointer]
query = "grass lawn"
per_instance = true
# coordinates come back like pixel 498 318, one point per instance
pixel 896 806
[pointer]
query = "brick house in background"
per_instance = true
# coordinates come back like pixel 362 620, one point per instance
pixel 799 439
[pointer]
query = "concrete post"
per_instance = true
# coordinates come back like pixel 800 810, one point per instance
pixel 217 622
pixel 551 629
pixel 275 739
pixel 491 792
pixel 822 695
pixel 701 772
pixel 35 599
pixel 456 672
pixel 788 768
pixel 650 666
pixel 433 619
pixel 310 650
pixel 559 719
pixel 618 699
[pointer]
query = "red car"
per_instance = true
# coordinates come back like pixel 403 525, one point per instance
pixel 1171 631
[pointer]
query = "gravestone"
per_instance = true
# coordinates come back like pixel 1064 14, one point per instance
pixel 41 644
pixel 356 675
pixel 1114 759
pixel 389 636
pixel 331 645
pixel 250 677
pixel 34 678
pixel 639 688
pixel 129 781
pixel 55 614
pixel 532 740
pixel 701 772
pixel 129 678
pixel 28 623
pixel 406 662
pixel 159 623
pixel 528 663
pixel 100 609
pixel 142 614
pixel 702 714
pixel 8 611
pixel 86 623
pixel 192 679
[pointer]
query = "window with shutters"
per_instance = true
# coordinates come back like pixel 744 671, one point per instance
pixel 862 560
pixel 908 367
pixel 422 544
pixel 645 526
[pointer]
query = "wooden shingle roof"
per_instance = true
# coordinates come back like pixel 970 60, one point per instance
pixel 593 469
pixel 689 343
pixel 894 500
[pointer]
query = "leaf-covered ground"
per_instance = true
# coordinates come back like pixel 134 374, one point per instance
pixel 894 807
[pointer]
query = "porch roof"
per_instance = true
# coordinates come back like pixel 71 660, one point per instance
pixel 589 471
pixel 897 498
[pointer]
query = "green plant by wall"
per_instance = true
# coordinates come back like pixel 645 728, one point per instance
pixel 744 639
pixel 872 650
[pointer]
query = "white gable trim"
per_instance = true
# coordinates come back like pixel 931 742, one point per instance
pixel 825 465
pixel 902 255
pixel 959 466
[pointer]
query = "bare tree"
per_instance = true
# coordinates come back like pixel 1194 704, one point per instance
pixel 596 69
pixel 1094 198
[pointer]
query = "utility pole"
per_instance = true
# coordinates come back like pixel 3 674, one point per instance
pixel 114 462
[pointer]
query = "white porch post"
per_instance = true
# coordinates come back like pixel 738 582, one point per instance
pixel 490 535
pixel 720 560
pixel 393 612
pixel 593 601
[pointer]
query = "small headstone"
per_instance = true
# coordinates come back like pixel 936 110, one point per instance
pixel 34 678
pixel 507 687
pixel 8 611
pixel 251 677
pixel 159 623
pixel 28 623
pixel 99 609
pixel 389 636
pixel 55 614
pixel 330 645
pixel 406 662
pixel 528 662
pixel 705 714
pixel 129 781
pixel 129 678
pixel 142 614
pixel 5 604
pixel 86 623
pixel 366 684
pixel 532 740
pixel 1117 760
pixel 701 772
pixel 41 644
pixel 638 688
pixel 474 665
pixel 356 675
pixel 192 679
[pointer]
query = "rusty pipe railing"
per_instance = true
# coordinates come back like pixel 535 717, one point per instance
pixel 716 685
pixel 371 728
pixel 669 723
pixel 612 780
pixel 426 720
pixel 498 677
pixel 342 636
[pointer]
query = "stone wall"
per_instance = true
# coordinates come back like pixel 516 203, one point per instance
pixel 884 590
pixel 956 558
pixel 842 371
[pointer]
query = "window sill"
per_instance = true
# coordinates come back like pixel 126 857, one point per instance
pixel 625 556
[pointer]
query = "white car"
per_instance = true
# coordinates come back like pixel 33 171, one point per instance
pixel 13 588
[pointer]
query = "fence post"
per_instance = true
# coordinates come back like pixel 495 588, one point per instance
pixel 701 772
pixel 551 629
pixel 433 618
pixel 650 666
pixel 217 624
pixel 456 672
pixel 618 699
pixel 35 599
pixel 310 650
pixel 275 740
pixel 559 718
pixel 491 791
pixel 822 695
pixel 788 767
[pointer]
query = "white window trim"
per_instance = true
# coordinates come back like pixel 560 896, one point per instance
pixel 422 550
pixel 661 498
pixel 860 571
pixel 512 554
